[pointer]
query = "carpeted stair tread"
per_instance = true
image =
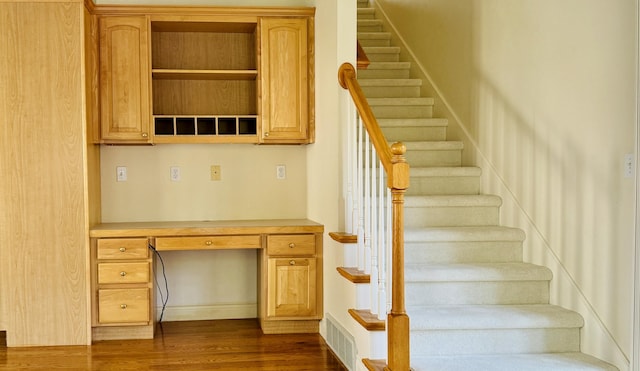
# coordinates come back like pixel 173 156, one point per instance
pixel 388 65
pixel 484 272
pixel 445 171
pixel 366 13
pixel 381 50
pixel 413 122
pixel 400 101
pixel 572 361
pixel 474 317
pixel 389 82
pixel 373 36
pixel 481 200
pixel 464 234
pixel 433 145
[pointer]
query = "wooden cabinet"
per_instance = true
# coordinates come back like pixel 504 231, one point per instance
pixel 286 86
pixel 294 283
pixel 122 288
pixel 244 77
pixel 124 79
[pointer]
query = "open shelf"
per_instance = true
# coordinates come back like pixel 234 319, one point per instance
pixel 205 129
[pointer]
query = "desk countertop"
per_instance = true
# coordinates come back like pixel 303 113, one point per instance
pixel 204 228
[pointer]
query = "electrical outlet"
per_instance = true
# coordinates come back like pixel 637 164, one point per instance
pixel 628 165
pixel 216 172
pixel 281 172
pixel 175 173
pixel 121 173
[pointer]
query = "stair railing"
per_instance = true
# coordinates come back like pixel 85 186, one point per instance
pixel 377 216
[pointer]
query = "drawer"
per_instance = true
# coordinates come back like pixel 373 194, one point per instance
pixel 291 244
pixel 123 248
pixel 123 305
pixel 137 272
pixel 208 242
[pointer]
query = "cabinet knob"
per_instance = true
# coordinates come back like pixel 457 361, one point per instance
pixel 292 262
pixel 123 249
pixel 123 273
pixel 208 243
pixel 123 306
pixel 292 245
pixel 144 135
pixel 266 134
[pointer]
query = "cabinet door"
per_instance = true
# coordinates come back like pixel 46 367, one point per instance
pixel 124 79
pixel 284 63
pixel 291 287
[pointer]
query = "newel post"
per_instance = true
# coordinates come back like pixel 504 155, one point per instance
pixel 397 320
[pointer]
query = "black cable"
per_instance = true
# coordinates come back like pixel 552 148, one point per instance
pixel 166 284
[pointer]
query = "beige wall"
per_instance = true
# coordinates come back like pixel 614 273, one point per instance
pixel 544 92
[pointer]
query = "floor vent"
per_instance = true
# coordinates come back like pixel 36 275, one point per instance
pixel 341 342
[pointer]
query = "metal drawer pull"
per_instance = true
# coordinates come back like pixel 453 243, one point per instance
pixel 292 262
pixel 208 242
pixel 292 245
pixel 123 249
pixel 123 273
pixel 123 306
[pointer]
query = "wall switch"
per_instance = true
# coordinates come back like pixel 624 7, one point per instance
pixel 281 172
pixel 216 172
pixel 121 173
pixel 175 173
pixel 628 165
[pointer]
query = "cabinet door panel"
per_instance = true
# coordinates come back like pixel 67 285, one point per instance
pixel 284 71
pixel 124 79
pixel 292 284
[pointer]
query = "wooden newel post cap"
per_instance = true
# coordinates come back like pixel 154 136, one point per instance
pixel 398 149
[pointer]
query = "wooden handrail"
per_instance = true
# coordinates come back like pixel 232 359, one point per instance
pixel 397 169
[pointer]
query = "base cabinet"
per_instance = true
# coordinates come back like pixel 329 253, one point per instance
pixel 122 288
pixel 292 287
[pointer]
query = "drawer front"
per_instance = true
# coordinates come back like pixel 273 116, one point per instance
pixel 123 272
pixel 293 244
pixel 123 305
pixel 208 242
pixel 123 248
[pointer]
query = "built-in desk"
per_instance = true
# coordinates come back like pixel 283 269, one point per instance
pixel 122 264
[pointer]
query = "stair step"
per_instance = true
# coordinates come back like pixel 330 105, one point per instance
pixel 391 88
pixel 373 38
pixel 477 283
pixel 434 153
pixel 444 181
pixel 382 53
pixel 369 25
pixel 366 13
pixel 386 70
pixel 368 320
pixel 401 107
pixel 481 317
pixel 363 3
pixel 452 210
pixel 416 129
pixel 494 244
pixel 571 361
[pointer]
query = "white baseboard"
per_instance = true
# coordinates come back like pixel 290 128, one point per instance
pixel 208 312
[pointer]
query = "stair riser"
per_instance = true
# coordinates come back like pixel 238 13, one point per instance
pixel 445 185
pixel 463 252
pixel 405 112
pixel 427 158
pixel 399 73
pixel 391 91
pixel 494 341
pixel 364 13
pixel 425 133
pixel 369 28
pixel 451 216
pixel 375 42
pixel 449 293
pixel 383 57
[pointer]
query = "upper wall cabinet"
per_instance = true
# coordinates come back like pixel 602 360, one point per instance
pixel 124 80
pixel 208 76
pixel 286 94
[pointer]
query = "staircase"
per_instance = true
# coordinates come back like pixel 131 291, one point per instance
pixel 472 301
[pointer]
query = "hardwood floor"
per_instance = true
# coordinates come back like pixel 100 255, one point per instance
pixel 177 346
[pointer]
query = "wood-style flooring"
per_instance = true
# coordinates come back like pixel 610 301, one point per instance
pixel 177 346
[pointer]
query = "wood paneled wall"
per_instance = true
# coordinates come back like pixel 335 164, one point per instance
pixel 44 187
